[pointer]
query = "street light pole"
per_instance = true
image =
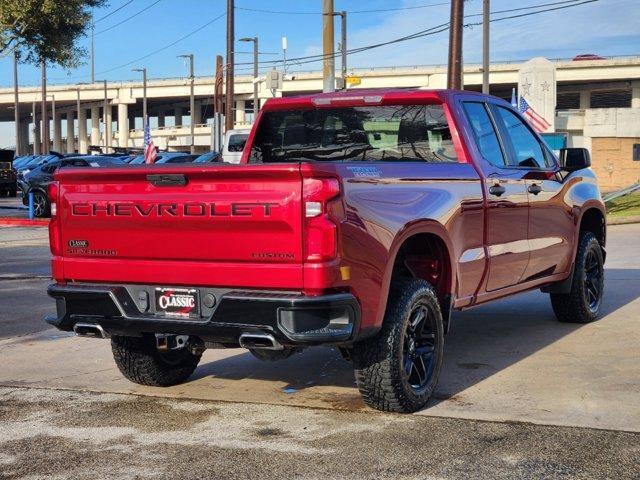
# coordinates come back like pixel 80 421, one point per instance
pixel 256 105
pixel 45 120
pixel 192 101
pixel 144 96
pixel 93 51
pixel 16 103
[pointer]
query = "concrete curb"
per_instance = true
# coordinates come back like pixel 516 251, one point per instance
pixel 24 222
pixel 622 220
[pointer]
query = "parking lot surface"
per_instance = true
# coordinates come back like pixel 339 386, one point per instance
pixel 506 362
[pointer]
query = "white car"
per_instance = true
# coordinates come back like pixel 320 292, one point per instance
pixel 234 142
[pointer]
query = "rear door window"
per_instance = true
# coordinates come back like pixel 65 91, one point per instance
pixel 485 133
pixel 391 133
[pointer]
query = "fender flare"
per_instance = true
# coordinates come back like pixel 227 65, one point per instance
pixel 410 229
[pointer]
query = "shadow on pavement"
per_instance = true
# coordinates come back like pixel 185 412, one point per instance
pixel 484 341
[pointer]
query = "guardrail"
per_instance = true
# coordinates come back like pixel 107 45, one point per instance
pixel 621 193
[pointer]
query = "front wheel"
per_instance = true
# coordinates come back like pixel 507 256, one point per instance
pixel 398 369
pixel 582 304
pixel 141 362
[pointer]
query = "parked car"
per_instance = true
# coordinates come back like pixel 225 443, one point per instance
pixel 8 179
pixel 360 220
pixel 587 56
pixel 38 179
pixel 166 157
pixel 234 142
pixel 209 157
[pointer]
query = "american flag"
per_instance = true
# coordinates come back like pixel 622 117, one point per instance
pixel 537 121
pixel 149 147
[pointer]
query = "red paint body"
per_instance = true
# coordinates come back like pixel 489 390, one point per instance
pixel 244 226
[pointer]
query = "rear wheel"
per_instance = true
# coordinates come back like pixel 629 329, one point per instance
pixel 140 361
pixel 398 369
pixel 41 206
pixel 582 304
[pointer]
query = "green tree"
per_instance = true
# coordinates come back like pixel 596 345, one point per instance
pixel 45 29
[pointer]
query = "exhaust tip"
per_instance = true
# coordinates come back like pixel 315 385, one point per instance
pixel 90 330
pixel 259 341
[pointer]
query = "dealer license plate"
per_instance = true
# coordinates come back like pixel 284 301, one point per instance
pixel 178 302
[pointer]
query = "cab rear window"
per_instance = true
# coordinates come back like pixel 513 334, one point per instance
pixel 389 133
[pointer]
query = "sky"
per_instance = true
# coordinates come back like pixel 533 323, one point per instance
pixel 604 27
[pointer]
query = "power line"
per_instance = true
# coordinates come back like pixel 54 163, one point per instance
pixel 161 49
pixel 113 11
pixel 436 29
pixel 289 12
pixel 128 18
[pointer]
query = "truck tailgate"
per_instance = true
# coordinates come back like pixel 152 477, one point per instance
pixel 182 225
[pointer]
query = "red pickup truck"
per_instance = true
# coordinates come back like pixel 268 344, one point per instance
pixel 357 220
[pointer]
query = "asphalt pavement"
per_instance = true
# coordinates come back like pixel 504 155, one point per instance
pixel 520 396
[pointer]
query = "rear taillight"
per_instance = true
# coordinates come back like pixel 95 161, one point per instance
pixel 52 193
pixel 54 227
pixel 320 228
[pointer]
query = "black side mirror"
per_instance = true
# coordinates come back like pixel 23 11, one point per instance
pixel 572 159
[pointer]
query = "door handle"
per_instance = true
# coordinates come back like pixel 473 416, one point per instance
pixel 534 188
pixel 497 190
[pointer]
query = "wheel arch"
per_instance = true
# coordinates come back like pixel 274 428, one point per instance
pixel 421 249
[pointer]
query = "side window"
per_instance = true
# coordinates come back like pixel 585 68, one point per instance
pixel 485 134
pixel 526 149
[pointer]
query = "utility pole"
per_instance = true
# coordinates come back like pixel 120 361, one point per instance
pixel 485 46
pixel 328 64
pixel 454 72
pixel 16 103
pixel 343 46
pixel 284 55
pixel 45 119
pixel 144 96
pixel 217 92
pixel 228 96
pixel 192 101
pixel 256 105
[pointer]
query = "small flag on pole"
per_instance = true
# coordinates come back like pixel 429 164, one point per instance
pixel 149 147
pixel 537 121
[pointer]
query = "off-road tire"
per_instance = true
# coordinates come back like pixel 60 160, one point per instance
pixel 379 361
pixel 573 307
pixel 139 361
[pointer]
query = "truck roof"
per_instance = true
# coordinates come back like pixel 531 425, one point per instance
pixel 368 96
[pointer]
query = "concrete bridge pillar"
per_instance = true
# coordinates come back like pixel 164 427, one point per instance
pixel 24 136
pixel 57 132
pixel 178 117
pixel 70 133
pixel 161 120
pixel 83 147
pixel 585 99
pixel 95 125
pixel 123 125
pixel 108 129
pixel 36 136
pixel 197 112
pixel 241 116
pixel 635 95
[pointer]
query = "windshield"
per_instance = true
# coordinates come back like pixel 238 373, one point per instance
pixel 406 133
